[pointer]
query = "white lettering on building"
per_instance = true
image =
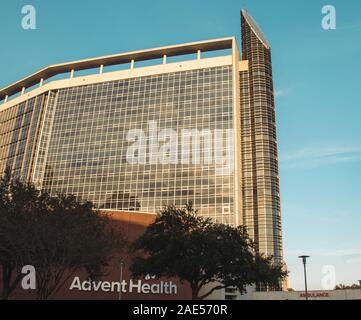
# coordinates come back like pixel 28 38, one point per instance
pixel 133 286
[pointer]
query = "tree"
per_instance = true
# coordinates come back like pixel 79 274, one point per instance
pixel 344 286
pixel 182 244
pixel 17 208
pixel 58 235
pixel 74 236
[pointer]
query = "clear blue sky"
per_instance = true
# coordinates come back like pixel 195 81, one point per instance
pixel 316 76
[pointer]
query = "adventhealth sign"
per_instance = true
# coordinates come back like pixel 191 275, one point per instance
pixel 132 286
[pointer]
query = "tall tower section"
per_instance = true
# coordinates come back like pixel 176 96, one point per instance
pixel 260 176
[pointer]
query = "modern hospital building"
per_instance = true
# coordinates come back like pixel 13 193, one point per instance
pixel 158 130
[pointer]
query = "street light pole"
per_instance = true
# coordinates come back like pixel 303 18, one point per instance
pixel 121 263
pixel 304 258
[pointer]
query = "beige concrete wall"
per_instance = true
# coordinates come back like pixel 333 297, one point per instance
pixel 349 294
pixel 122 74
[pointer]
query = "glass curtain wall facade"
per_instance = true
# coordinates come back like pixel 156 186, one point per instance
pixel 88 144
pixel 75 140
pixel 19 133
pixel 260 183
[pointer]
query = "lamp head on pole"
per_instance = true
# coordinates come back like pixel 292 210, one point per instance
pixel 304 258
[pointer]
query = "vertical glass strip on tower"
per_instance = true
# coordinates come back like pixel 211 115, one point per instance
pixel 260 185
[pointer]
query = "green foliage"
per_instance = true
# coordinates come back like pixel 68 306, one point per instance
pixel 57 235
pixel 182 244
pixel 345 287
